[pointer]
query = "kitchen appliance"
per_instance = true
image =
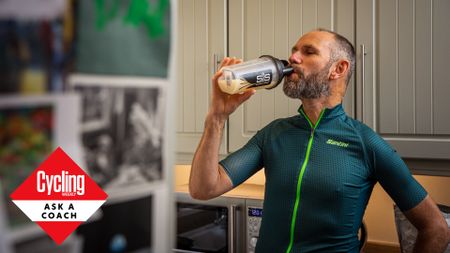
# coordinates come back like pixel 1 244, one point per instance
pixel 211 226
pixel 253 218
pixel 124 226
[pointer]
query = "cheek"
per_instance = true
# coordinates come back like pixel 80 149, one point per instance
pixel 314 68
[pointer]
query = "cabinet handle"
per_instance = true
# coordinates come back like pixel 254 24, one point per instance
pixel 363 79
pixel 216 60
pixel 232 228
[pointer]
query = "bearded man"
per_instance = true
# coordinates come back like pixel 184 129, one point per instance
pixel 320 165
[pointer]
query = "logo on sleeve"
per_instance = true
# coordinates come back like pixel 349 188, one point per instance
pixel 58 196
pixel 337 143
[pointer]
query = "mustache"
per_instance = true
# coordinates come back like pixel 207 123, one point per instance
pixel 297 69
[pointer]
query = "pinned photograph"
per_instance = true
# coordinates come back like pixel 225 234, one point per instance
pixel 121 126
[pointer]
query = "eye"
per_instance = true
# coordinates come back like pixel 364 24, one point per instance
pixel 309 51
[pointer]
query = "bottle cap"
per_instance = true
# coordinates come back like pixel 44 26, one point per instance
pixel 282 67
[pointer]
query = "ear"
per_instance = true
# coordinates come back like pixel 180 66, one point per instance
pixel 340 69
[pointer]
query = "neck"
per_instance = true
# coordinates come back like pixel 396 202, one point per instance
pixel 313 107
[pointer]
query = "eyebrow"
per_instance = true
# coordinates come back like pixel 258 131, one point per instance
pixel 305 47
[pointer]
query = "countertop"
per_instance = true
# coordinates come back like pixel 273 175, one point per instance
pixel 247 191
pixel 253 188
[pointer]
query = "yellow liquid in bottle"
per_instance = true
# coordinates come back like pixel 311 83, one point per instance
pixel 232 86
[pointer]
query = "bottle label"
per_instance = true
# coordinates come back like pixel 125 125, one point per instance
pixel 258 78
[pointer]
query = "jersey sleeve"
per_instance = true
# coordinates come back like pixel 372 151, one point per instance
pixel 392 173
pixel 243 163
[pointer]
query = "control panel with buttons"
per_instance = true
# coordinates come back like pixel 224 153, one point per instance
pixel 254 213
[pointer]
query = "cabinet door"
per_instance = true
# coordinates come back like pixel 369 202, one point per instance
pixel 258 27
pixel 403 79
pixel 201 39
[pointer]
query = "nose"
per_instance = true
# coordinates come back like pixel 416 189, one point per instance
pixel 295 57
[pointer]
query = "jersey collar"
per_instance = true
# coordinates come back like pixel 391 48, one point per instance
pixel 329 113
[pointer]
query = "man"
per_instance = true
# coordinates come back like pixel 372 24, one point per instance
pixel 320 165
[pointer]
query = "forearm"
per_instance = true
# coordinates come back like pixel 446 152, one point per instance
pixel 205 175
pixel 431 241
pixel 208 179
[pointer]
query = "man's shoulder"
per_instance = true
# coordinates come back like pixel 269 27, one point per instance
pixel 371 139
pixel 278 126
pixel 281 123
pixel 360 127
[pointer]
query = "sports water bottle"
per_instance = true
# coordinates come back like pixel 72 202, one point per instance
pixel 263 72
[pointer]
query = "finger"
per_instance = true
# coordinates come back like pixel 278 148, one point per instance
pixel 217 75
pixel 241 98
pixel 224 62
pixel 227 61
pixel 234 60
pixel 215 82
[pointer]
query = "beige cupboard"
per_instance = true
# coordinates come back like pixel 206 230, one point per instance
pixel 400 87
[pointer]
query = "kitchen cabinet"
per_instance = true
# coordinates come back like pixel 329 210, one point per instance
pixel 400 88
pixel 248 29
pixel 402 81
pixel 258 27
pixel 201 39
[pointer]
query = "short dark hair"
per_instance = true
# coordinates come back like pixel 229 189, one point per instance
pixel 344 49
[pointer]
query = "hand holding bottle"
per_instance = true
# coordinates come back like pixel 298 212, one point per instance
pixel 223 104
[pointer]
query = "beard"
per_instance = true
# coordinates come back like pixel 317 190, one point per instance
pixel 313 86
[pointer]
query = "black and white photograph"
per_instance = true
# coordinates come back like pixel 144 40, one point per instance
pixel 121 134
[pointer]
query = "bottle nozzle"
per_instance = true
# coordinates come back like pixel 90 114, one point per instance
pixel 288 70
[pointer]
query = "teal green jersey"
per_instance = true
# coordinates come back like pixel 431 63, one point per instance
pixel 319 179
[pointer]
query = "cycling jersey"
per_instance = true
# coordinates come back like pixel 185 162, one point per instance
pixel 319 179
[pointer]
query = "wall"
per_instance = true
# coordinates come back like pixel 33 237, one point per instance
pixel 379 215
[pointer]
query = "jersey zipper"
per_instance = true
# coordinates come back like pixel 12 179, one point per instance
pixel 300 178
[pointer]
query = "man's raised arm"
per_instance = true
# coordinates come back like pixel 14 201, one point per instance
pixel 208 179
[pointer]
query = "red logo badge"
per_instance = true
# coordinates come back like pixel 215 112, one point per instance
pixel 59 196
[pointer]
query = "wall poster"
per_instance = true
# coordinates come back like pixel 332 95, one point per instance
pixel 122 122
pixel 125 58
pixel 118 58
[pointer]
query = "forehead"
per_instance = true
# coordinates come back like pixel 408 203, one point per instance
pixel 320 40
